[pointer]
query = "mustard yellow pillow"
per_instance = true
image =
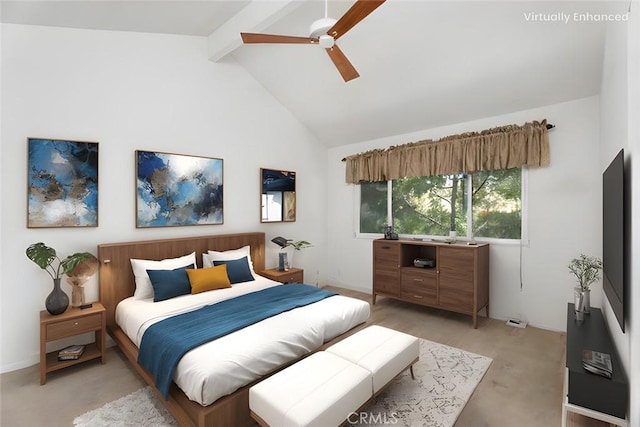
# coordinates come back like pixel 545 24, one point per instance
pixel 207 279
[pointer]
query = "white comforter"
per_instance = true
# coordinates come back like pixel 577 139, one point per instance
pixel 220 367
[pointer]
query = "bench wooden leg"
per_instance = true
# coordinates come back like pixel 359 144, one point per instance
pixel 413 377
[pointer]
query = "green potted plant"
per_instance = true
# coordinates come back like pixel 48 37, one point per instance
pixel 45 257
pixel 586 269
pixel 300 244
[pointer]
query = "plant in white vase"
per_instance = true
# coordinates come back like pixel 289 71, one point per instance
pixel 296 245
pixel 586 269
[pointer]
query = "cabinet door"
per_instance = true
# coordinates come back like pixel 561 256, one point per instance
pixel 386 267
pixel 456 278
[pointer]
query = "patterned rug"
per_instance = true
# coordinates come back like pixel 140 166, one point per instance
pixel 445 380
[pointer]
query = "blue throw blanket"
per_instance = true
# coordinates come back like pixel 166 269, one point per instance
pixel 165 342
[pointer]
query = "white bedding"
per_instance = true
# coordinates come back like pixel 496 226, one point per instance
pixel 220 367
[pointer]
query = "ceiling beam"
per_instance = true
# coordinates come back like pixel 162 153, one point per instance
pixel 255 17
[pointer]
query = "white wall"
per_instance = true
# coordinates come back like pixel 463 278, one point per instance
pixel 633 64
pixel 633 68
pixel 564 216
pixel 131 91
pixel 619 112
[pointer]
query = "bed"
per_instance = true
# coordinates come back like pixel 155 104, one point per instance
pixel 226 402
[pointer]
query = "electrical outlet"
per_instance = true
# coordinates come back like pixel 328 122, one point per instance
pixel 517 323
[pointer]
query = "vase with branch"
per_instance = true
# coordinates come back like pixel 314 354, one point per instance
pixel 586 269
pixel 285 258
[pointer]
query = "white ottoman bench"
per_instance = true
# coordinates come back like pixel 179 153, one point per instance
pixel 382 351
pixel 325 388
pixel 320 390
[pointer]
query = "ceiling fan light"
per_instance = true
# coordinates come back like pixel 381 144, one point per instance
pixel 321 26
pixel 326 41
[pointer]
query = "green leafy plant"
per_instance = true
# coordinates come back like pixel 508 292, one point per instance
pixel 45 256
pixel 300 244
pixel 586 269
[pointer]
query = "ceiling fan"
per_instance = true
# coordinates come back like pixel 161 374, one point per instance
pixel 325 32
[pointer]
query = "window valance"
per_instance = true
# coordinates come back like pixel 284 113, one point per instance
pixel 503 147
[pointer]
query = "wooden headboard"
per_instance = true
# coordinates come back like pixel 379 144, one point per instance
pixel 116 276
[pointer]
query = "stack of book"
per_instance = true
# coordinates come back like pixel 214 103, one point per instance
pixel 73 352
pixel 597 363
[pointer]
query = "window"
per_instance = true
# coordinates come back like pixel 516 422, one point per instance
pixel 373 207
pixel 485 204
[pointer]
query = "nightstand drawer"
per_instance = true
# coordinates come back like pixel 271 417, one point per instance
pixel 76 326
pixel 294 277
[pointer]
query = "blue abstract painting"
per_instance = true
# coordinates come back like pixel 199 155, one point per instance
pixel 177 189
pixel 62 187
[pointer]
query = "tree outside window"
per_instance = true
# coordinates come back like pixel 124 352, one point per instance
pixel 434 205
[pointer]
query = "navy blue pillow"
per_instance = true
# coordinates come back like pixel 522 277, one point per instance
pixel 169 283
pixel 238 270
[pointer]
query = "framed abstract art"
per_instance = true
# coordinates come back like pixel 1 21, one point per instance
pixel 62 183
pixel 278 195
pixel 178 189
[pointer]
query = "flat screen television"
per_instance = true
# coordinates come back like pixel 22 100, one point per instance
pixel 613 236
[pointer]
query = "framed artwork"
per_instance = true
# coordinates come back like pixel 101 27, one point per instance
pixel 277 195
pixel 62 183
pixel 178 189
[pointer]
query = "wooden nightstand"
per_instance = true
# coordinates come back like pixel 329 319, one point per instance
pixel 72 322
pixel 294 275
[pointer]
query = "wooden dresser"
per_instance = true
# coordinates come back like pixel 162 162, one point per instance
pixel 459 280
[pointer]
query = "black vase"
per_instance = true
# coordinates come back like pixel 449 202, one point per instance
pixel 57 301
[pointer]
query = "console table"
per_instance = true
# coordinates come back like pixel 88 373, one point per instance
pixel 585 393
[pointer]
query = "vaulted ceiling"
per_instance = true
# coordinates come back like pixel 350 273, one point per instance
pixel 422 63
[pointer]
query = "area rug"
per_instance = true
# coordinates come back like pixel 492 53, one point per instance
pixel 138 409
pixel 445 380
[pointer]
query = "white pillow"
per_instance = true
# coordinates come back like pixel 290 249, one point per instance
pixel 245 251
pixel 144 289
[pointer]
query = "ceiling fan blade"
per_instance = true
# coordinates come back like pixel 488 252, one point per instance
pixel 273 38
pixel 346 69
pixel 360 10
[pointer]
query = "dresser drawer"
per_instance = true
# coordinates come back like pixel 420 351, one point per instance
pixel 423 278
pixel 76 326
pixel 419 285
pixel 419 294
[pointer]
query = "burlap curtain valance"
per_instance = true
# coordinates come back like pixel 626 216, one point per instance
pixel 504 147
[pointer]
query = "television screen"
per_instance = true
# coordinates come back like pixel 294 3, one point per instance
pixel 613 243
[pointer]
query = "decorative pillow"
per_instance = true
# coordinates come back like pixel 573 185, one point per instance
pixel 237 269
pixel 169 283
pixel 140 266
pixel 245 251
pixel 207 279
